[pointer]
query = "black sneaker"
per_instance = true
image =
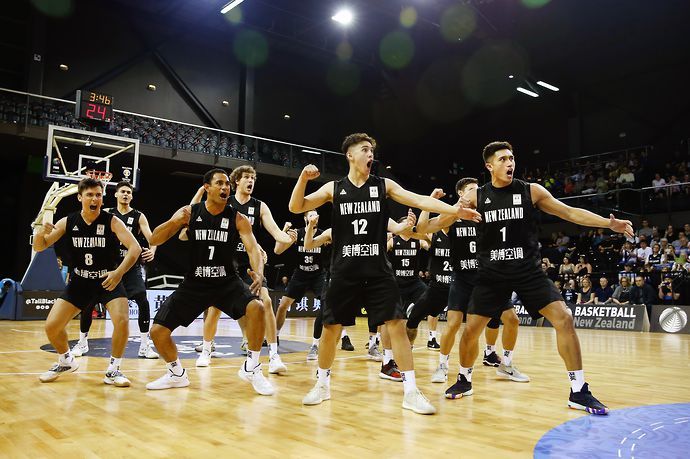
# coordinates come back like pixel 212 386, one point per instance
pixel 585 401
pixel 264 344
pixel 491 360
pixel 461 388
pixel 346 344
pixel 433 344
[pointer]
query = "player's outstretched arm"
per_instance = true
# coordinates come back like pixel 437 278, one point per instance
pixel 48 234
pixel 281 247
pixel 432 225
pixel 133 251
pixel 545 201
pixel 252 247
pixel 166 230
pixel 196 199
pixel 311 242
pixel 300 203
pixel 272 227
pixel 408 198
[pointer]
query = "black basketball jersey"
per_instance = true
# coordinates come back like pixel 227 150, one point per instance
pixel 463 249
pixel 440 261
pixel 93 249
pixel 359 222
pixel 507 237
pixel 309 261
pixel 214 242
pixel 131 221
pixel 252 210
pixel 403 257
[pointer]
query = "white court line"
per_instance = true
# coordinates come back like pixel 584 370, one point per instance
pixel 623 440
pixel 655 423
pixel 657 428
pixel 632 448
pixel 17 352
pixel 641 436
pixel 26 331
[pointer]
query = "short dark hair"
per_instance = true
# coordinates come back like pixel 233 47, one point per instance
pixel 88 182
pixel 208 176
pixel 356 138
pixel 236 174
pixel 493 147
pixel 463 182
pixel 124 183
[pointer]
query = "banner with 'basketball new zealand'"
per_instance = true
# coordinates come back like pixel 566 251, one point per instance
pixel 670 319
pixel 628 317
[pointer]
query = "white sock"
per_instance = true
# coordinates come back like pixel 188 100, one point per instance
pixel 372 341
pixel 443 359
pixel 315 342
pixel 66 358
pixel 432 334
pixel 378 337
pixel 114 363
pixel 343 334
pixel 83 336
pixel 206 346
pixel 252 360
pixel 489 349
pixel 577 380
pixel 324 376
pixel 409 381
pixel 387 356
pixel 466 372
pixel 507 357
pixel 272 349
pixel 175 367
pixel 144 339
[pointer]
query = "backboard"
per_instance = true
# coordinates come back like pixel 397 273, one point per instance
pixel 71 152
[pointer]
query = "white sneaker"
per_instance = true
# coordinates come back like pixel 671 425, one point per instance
pixel 169 381
pixel 374 353
pixel 512 373
pixel 317 394
pixel 204 359
pixel 441 374
pixel 58 369
pixel 116 378
pixel 257 379
pixel 81 348
pixel 417 402
pixel 313 352
pixel 276 365
pixel 147 352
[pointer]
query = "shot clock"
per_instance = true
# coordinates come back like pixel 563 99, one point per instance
pixel 94 107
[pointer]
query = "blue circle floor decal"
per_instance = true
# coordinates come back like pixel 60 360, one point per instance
pixel 656 431
pixel 226 347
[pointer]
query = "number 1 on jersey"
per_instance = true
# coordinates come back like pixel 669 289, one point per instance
pixel 503 232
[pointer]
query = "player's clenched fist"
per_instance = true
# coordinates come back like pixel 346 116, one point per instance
pixel 310 172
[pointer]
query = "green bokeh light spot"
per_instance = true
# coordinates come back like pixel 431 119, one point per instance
pixel 55 8
pixel 458 23
pixel 396 50
pixel 408 17
pixel 251 48
pixel 534 3
pixel 344 51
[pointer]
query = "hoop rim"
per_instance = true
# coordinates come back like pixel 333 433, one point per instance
pixel 99 175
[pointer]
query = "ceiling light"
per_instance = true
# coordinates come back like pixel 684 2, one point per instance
pixel 286 117
pixel 527 91
pixel 230 6
pixel 547 85
pixel 343 16
pixel 312 152
pixel 511 76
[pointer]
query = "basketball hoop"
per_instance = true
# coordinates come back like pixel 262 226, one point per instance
pixel 102 176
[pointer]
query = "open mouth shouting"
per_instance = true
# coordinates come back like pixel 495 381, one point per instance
pixel 223 195
pixel 369 163
pixel 93 207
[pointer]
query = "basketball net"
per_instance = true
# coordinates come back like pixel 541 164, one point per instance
pixel 103 176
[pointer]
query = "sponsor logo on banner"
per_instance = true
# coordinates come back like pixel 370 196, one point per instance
pixel 37 303
pixel 673 320
pixel 607 316
pixel 524 317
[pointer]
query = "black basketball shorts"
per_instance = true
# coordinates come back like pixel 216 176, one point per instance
pixel 345 297
pixel 432 303
pixel 83 293
pixel 133 281
pixel 492 292
pixel 460 292
pixel 192 298
pixel 411 291
pixel 302 282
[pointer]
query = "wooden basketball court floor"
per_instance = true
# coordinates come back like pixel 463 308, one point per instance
pixel 79 416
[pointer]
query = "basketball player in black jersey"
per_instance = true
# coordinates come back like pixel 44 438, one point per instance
pixel 213 229
pixel 462 237
pixel 133 281
pixel 509 260
pixel 243 179
pixel 360 271
pixel 93 239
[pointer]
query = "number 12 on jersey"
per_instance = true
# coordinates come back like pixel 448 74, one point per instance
pixel 360 226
